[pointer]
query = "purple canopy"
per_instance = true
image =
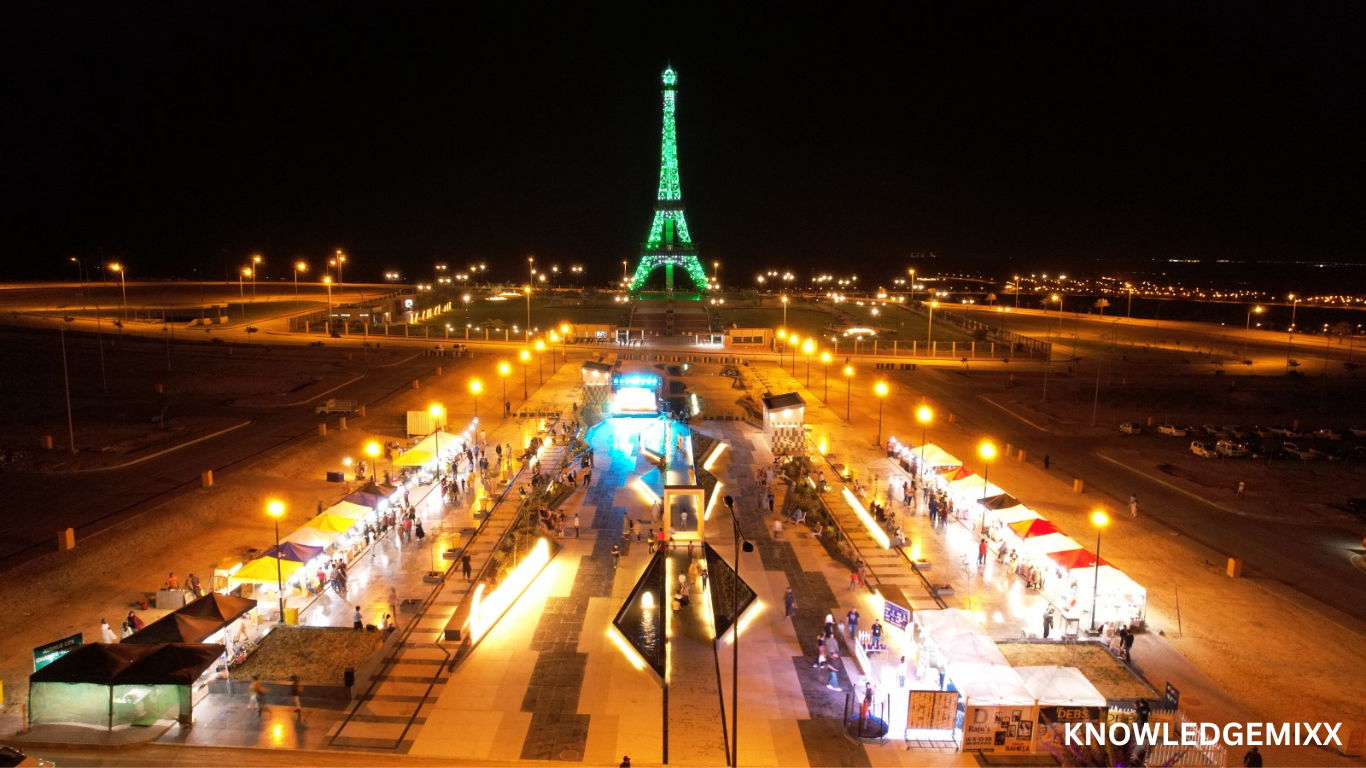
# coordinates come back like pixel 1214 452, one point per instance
pixel 297 553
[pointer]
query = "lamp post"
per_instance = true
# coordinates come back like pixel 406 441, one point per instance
pixel 525 357
pixel 741 543
pixel 276 510
pixel 436 411
pixel 881 389
pixel 372 450
pixel 526 289
pixel 912 271
pixel 1017 291
pixel 299 266
pixel 929 332
pixel 327 281
pixel 242 283
pixel 540 348
pixel 848 383
pixel 564 343
pixel 808 347
pixel 1130 311
pixel 1100 520
pixel 123 286
pixel 1290 338
pixel 825 364
pixel 988 452
pixel 552 337
pixel 476 386
pixel 784 301
pixel 341 261
pixel 66 383
pixel 796 345
pixel 256 267
pixel 1248 330
pixel 503 370
pixel 924 415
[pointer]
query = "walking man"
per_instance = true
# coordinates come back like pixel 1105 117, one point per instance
pixel 852 621
pixel 982 553
pixel 1133 504
pixel 294 690
pixel 576 525
pixel 789 604
pixel 1047 621
pixel 616 555
pixel 356 621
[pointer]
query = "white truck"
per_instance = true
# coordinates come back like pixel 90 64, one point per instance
pixel 337 406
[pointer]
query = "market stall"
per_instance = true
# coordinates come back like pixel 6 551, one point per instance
pixel 1064 696
pixel 108 686
pixel 1119 599
pixel 215 619
pixel 999 712
pixel 264 576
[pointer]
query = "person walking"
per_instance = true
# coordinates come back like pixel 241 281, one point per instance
pixel 901 673
pixel 1133 504
pixel 1046 461
pixel 107 635
pixel 789 604
pixel 770 502
pixel 982 553
pixel 1241 487
pixel 777 529
pixel 576 525
pixel 294 690
pixel 198 590
pixel 829 625
pixel 616 555
pixel 833 682
pixel 258 696
pixel 465 566
pixel 1047 621
pixel 1127 642
pixel 853 580
pixel 418 532
pixel 356 621
pixel 851 620
pixel 1253 759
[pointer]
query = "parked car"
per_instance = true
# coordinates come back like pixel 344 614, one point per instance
pixel 1358 431
pixel 1261 431
pixel 1232 449
pixel 1294 450
pixel 1130 428
pixel 1203 450
pixel 15 758
pixel 1168 429
pixel 1328 434
pixel 1280 430
pixel 1357 507
pixel 1236 432
pixel 1210 430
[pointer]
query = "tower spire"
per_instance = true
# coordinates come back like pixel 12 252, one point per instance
pixel 669 243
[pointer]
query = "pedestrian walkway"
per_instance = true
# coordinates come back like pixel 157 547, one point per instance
pixel 694 683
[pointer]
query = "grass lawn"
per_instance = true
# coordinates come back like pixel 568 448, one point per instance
pixel 543 314
pixel 1106 673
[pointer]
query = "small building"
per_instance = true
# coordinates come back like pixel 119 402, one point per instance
pixel 785 423
pixel 597 382
pixel 749 337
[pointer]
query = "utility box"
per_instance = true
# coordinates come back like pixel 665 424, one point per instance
pixel 1235 568
pixel 206 478
pixel 1078 485
pixel 66 539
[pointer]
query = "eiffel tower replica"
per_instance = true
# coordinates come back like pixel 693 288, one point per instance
pixel 669 245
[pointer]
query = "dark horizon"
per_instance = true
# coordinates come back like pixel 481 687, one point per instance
pixel 1007 138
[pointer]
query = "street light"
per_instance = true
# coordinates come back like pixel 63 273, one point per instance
pixel 848 382
pixel 929 332
pixel 564 342
pixel 527 290
pixel 881 389
pixel 372 450
pixel 540 348
pixel 1290 339
pixel 552 337
pixel 341 261
pixel 525 356
pixel 327 281
pixel 503 370
pixel 825 364
pixel 741 543
pixel 242 284
pixel 924 415
pixel 299 266
pixel 1248 330
pixel 476 386
pixel 988 452
pixel 436 411
pixel 276 510
pixel 796 344
pixel 256 261
pixel 784 301
pixel 123 286
pixel 808 347
pixel 1099 519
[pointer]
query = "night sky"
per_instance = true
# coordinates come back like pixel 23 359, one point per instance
pixel 1000 137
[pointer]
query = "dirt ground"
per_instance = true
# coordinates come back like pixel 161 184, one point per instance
pixel 1105 672
pixel 318 655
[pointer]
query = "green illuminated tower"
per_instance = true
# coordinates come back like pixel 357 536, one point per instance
pixel 669 243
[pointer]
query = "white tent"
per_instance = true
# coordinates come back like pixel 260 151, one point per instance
pixel 939 625
pixel 1016 514
pixel 349 510
pixel 312 537
pixel 1112 581
pixel 936 456
pixel 970 648
pixel 1053 542
pixel 990 685
pixel 1060 687
pixel 972 488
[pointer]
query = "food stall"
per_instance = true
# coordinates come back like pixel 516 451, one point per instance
pixel 110 685
pixel 1119 599
pixel 999 712
pixel 214 619
pixel 264 575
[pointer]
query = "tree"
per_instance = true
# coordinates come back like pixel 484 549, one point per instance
pixel 1101 304
pixel 991 298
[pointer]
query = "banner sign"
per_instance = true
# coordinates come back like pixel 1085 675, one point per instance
pixel 932 711
pixel 44 655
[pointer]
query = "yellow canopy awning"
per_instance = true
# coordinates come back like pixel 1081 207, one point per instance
pixel 414 458
pixel 326 522
pixel 313 537
pixel 262 570
pixel 348 510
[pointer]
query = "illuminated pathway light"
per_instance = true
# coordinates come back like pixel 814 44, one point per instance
pixel 879 535
pixel 488 609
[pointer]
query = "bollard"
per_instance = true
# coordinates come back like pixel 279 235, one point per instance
pixel 1151 421
pixel 45 442
pixel 1078 485
pixel 1023 456
pixel 360 412
pixel 66 539
pixel 341 423
pixel 416 385
pixel 1235 568
pixel 322 430
pixel 1009 449
pixel 206 478
pixel 438 370
pixel 952 418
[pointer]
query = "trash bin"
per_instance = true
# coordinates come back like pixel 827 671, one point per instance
pixel 292 616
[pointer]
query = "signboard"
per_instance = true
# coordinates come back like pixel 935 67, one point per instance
pixel 895 615
pixel 932 711
pixel 1003 730
pixel 1173 697
pixel 1053 721
pixel 635 380
pixel 44 655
